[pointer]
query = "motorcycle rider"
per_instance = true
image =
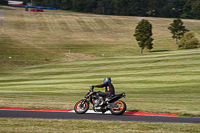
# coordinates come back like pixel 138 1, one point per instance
pixel 109 89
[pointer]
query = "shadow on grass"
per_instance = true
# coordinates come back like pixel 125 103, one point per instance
pixel 190 115
pixel 158 51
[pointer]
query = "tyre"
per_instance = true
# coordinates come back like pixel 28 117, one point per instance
pixel 81 107
pixel 118 108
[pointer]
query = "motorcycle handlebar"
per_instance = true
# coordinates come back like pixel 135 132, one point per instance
pixel 91 88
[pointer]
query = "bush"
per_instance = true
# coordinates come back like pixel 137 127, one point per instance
pixel 188 41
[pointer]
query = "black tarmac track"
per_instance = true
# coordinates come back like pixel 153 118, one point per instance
pixel 108 117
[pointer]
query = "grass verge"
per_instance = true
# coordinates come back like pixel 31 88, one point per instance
pixel 75 126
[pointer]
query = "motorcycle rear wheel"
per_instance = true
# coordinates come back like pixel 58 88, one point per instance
pixel 118 108
pixel 81 107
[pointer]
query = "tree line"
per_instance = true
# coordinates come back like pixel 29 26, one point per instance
pixel 155 8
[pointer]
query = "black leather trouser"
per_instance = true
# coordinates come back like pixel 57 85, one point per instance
pixel 104 94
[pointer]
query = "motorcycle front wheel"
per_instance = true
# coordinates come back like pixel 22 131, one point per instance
pixel 118 108
pixel 81 107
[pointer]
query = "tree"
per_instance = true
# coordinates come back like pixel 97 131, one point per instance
pixel 195 11
pixel 187 10
pixel 154 6
pixel 66 5
pixel 177 29
pixel 79 5
pixel 177 9
pixel 143 33
pixel 120 7
pixel 188 41
pixel 191 9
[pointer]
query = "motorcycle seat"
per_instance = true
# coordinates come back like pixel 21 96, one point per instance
pixel 117 94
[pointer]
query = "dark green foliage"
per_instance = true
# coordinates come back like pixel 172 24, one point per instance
pixel 66 4
pixel 188 41
pixel 195 11
pixel 191 9
pixel 173 9
pixel 105 7
pixel 177 9
pixel 78 5
pixel 177 29
pixel 157 8
pixel 143 33
pixel 154 7
pixel 38 2
pixel 120 7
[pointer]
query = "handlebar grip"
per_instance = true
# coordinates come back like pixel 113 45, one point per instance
pixel 92 88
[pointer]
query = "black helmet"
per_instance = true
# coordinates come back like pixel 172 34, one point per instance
pixel 107 79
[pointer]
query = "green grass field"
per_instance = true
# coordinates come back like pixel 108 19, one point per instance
pixel 154 82
pixel 78 126
pixel 164 82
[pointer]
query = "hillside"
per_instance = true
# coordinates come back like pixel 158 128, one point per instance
pixel 28 37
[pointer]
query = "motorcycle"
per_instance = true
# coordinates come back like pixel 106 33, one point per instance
pixel 116 107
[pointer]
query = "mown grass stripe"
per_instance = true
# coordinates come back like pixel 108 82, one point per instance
pixel 147 67
pixel 85 86
pixel 143 63
pixel 169 71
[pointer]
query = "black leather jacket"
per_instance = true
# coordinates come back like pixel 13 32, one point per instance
pixel 108 87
